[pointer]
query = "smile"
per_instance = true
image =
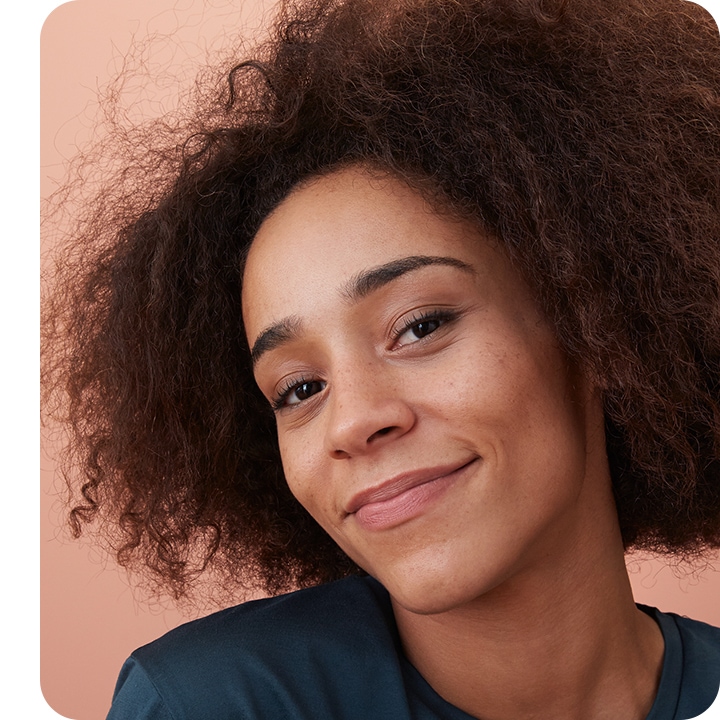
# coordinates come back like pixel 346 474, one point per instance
pixel 403 497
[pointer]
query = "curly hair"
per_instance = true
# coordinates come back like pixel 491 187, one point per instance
pixel 585 135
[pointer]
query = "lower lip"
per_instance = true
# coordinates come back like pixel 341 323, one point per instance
pixel 407 505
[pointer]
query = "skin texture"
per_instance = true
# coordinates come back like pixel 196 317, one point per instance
pixel 448 369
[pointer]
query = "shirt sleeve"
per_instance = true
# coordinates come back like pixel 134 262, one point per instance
pixel 135 696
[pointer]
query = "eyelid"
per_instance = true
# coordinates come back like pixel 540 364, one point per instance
pixel 445 315
pixel 277 401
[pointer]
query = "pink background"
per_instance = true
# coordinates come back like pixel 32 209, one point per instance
pixel 90 618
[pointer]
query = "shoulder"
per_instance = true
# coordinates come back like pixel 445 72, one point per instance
pixel 699 636
pixel 284 624
pixel 692 664
pixel 254 660
pixel 701 655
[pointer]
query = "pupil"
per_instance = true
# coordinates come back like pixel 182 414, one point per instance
pixel 425 328
pixel 305 390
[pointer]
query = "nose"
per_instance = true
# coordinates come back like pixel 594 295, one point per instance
pixel 367 410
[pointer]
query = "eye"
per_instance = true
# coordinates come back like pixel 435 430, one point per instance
pixel 296 392
pixel 419 327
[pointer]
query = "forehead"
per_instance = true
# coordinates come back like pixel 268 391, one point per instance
pixel 330 229
pixel 354 208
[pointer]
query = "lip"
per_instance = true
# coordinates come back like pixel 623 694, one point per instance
pixel 404 496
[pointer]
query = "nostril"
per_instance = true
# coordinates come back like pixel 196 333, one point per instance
pixel 362 424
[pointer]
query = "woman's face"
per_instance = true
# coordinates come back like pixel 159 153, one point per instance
pixel 426 417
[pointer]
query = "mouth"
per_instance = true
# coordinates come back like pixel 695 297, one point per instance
pixel 405 496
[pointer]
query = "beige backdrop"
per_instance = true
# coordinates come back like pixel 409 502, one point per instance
pixel 90 619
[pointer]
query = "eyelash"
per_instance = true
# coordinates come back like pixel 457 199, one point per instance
pixel 278 402
pixel 441 316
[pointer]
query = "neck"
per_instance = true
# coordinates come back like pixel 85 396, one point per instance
pixel 564 641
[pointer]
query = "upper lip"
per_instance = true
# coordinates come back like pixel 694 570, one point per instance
pixel 400 483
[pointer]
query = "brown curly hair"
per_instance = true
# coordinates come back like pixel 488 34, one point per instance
pixel 585 135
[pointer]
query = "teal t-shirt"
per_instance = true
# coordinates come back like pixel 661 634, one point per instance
pixel 333 653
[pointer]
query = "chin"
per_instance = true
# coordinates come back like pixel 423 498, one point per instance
pixel 426 588
pixel 424 604
pixel 431 598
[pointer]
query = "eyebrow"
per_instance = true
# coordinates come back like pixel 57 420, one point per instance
pixel 373 279
pixel 360 286
pixel 274 336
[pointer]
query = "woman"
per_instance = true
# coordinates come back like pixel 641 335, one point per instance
pixel 425 316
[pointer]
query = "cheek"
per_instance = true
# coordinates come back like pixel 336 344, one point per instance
pixel 301 466
pixel 513 392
